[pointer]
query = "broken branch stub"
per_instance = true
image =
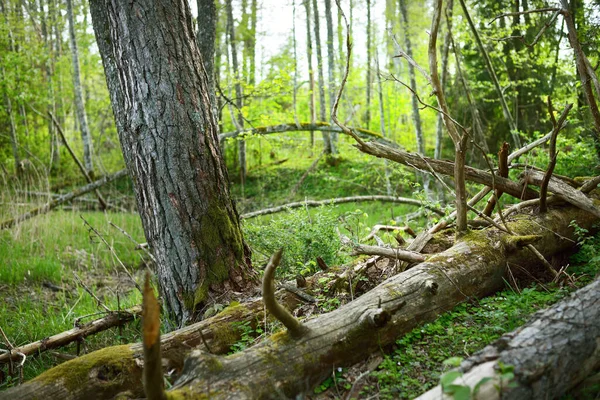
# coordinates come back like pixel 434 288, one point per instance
pixel 295 327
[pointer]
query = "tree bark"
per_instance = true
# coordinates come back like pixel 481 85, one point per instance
pixel 550 355
pixel 284 367
pixel 169 137
pixel 86 135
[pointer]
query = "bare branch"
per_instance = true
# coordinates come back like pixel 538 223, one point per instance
pixel 513 14
pixel 295 327
pixel 153 376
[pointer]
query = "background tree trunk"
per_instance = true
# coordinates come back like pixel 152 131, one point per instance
pixel 322 102
pixel 413 85
pixel 206 36
pixel 86 136
pixel 368 79
pixel 311 73
pixel 331 67
pixel 238 91
pixel 169 137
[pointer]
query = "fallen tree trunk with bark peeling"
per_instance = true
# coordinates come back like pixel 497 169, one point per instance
pixel 549 356
pixel 284 366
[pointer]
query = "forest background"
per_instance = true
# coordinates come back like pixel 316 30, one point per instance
pixel 40 79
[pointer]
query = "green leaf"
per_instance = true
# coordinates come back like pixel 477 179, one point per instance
pixel 453 361
pixel 449 377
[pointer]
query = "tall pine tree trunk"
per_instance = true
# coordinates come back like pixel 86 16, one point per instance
pixel 168 134
pixel 86 136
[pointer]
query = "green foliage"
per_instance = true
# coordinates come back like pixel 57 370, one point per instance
pixel 305 234
pixel 413 367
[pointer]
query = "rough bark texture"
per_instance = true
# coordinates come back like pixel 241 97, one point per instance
pixel 551 354
pixel 86 135
pixel 169 137
pixel 281 366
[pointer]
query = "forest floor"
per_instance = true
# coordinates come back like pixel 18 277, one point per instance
pixel 46 261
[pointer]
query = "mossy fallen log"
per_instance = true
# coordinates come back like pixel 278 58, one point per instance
pixel 282 366
pixel 549 356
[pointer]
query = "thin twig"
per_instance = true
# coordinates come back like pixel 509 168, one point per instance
pixel 112 250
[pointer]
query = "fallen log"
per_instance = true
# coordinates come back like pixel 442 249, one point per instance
pixel 282 366
pixel 113 319
pixel 62 199
pixel 342 200
pixel 398 254
pixel 548 356
pixel 306 127
pixel 565 192
pixel 445 167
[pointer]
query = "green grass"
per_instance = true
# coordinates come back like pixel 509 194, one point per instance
pixel 49 246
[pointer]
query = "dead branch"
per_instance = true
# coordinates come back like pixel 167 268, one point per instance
pixel 398 254
pixel 306 127
pixel 445 167
pixel 294 327
pixel 502 172
pixel 590 185
pixel 342 200
pixel 153 372
pixel 114 318
pixel 63 199
pixel 87 177
pixel 513 14
pixel 565 192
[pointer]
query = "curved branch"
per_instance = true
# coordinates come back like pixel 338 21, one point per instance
pixel 295 327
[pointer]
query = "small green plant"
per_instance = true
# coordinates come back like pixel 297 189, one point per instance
pixel 248 335
pixel 304 234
